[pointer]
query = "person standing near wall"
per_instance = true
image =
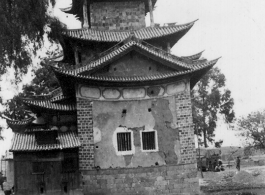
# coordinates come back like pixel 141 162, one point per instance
pixel 7 188
pixel 238 163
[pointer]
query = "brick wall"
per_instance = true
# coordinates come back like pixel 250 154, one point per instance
pixel 186 131
pixel 85 133
pixel 175 179
pixel 117 15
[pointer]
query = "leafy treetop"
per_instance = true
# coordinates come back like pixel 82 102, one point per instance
pixel 23 25
pixel 252 128
pixel 210 98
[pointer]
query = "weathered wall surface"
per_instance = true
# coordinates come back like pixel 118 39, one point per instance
pixel 117 15
pixel 10 172
pixel 141 115
pixel 134 64
pixel 168 113
pixel 172 179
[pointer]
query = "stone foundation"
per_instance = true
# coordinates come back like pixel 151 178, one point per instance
pixel 160 180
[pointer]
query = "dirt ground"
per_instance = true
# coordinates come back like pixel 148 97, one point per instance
pixel 231 181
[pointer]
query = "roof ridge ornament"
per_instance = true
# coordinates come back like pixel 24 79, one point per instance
pixel 132 37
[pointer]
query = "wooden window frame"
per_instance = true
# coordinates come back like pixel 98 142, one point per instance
pixel 115 141
pixel 156 141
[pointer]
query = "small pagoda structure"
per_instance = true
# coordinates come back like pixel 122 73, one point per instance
pixel 121 122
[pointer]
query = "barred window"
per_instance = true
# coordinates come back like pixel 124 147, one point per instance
pixel 124 141
pixel 149 140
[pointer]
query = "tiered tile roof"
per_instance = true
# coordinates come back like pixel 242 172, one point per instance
pixel 182 66
pixel 123 48
pixel 117 36
pixel 27 142
pixel 196 67
pixel 50 105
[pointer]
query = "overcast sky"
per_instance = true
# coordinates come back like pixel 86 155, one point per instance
pixel 233 29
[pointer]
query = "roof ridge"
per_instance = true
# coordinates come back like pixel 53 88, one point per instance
pixel 129 30
pixel 195 68
pixel 143 33
pixel 125 46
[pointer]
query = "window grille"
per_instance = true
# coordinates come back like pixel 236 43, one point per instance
pixel 124 141
pixel 149 140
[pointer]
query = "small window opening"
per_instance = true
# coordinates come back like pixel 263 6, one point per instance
pixel 148 140
pixel 152 92
pixel 149 110
pixel 124 141
pixel 124 111
pixel 65 188
pixel 96 147
pixel 114 69
pixel 150 68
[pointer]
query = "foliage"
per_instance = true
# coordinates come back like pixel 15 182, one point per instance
pixel 210 98
pixel 23 24
pixel 248 151
pixel 253 129
pixel 43 83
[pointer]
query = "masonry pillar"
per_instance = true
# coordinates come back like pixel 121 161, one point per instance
pixel 186 131
pixel 85 17
pixel 152 23
pixel 85 134
pixel 168 48
pixel 76 56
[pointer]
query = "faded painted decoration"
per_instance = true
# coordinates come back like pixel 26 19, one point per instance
pixel 146 92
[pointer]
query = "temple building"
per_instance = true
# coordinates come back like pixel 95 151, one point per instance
pixel 121 122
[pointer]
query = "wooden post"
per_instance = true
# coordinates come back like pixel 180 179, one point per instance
pixel 85 18
pixel 76 56
pixel 168 47
pixel 152 23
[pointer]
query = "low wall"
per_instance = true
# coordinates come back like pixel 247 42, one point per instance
pixel 162 180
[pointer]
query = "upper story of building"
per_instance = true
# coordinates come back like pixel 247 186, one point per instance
pixel 112 14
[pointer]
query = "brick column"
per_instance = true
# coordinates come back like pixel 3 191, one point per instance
pixel 186 131
pixel 85 134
